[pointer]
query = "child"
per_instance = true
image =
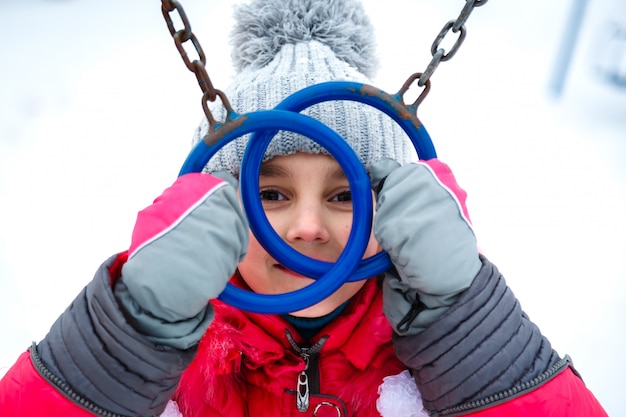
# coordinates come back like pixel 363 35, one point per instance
pixel 440 333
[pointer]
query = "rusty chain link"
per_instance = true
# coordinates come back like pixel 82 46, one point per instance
pixel 197 66
pixel 456 26
pixel 210 93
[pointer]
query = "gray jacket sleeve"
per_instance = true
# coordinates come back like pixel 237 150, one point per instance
pixel 95 358
pixel 482 350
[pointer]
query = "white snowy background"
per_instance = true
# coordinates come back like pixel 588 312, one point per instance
pixel 97 111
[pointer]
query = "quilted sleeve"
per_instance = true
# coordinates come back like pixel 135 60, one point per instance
pixel 484 348
pixel 94 357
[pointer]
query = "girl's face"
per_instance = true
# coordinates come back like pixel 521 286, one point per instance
pixel 307 200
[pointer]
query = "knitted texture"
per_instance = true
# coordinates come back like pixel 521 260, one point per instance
pixel 280 47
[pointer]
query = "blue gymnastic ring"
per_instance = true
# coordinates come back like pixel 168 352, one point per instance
pixel 280 250
pixel 403 115
pixel 391 105
pixel 274 120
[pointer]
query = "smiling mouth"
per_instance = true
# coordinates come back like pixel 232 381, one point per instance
pixel 289 271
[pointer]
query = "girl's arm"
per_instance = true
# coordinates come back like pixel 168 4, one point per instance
pixel 458 326
pixel 121 346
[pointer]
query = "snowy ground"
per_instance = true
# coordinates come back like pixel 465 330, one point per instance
pixel 97 111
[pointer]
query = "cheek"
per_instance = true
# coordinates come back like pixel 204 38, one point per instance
pixel 255 256
pixel 373 247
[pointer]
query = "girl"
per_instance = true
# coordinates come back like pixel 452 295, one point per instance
pixel 440 333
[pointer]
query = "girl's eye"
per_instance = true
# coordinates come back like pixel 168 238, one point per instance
pixel 343 197
pixel 271 195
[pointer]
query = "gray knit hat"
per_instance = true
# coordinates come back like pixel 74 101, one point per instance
pixel 282 46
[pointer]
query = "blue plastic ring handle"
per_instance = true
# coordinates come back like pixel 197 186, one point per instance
pixel 334 278
pixel 334 90
pixel 298 101
pixel 389 104
pixel 278 248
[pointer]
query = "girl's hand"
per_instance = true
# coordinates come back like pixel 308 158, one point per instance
pixel 185 247
pixel 422 223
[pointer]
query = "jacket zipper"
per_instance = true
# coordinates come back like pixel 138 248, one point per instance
pixel 308 380
pixel 64 388
pixel 509 393
pixel 303 391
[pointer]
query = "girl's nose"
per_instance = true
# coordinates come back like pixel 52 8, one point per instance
pixel 307 224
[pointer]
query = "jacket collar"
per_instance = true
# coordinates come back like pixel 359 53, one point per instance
pixel 358 332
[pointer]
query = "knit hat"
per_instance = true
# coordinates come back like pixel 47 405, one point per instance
pixel 282 46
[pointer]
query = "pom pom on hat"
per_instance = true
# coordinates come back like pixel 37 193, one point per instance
pixel 263 27
pixel 282 46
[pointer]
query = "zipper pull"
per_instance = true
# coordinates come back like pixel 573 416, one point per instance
pixel 302 392
pixel 302 385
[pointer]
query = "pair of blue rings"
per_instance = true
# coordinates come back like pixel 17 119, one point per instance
pixel 350 266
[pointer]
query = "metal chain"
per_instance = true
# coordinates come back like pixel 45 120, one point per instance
pixel 210 93
pixel 456 26
pixel 197 66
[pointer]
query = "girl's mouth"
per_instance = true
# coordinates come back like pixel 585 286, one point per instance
pixel 289 271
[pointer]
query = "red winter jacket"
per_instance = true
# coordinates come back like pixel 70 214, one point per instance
pixel 240 370
pixel 246 364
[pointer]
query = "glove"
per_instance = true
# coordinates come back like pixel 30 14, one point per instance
pixel 184 249
pixel 422 223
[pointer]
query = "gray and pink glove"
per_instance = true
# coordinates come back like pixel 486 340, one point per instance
pixel 422 223
pixel 185 247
